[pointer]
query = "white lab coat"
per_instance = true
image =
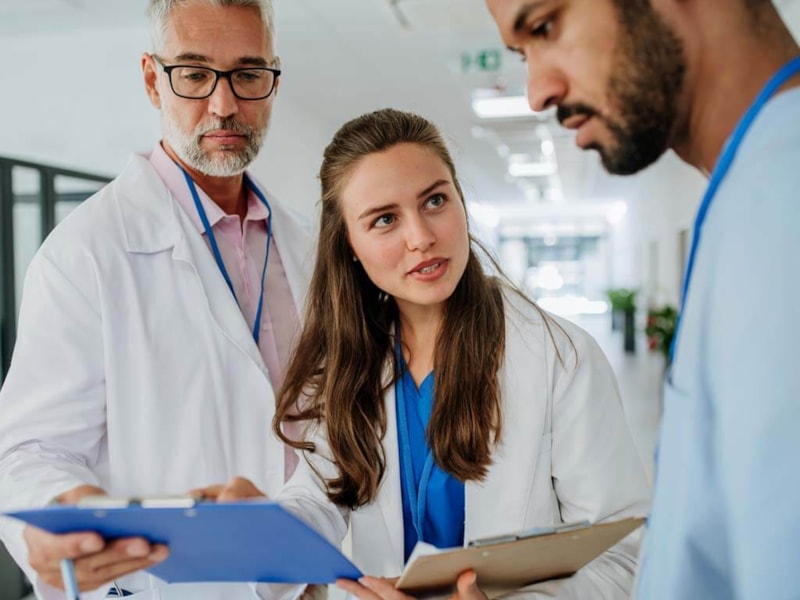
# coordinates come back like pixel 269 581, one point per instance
pixel 566 455
pixel 134 368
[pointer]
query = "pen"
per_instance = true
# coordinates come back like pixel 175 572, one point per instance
pixel 70 583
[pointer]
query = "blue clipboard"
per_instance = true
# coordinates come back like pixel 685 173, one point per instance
pixel 252 541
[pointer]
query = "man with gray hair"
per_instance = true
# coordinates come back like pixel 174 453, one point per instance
pixel 158 318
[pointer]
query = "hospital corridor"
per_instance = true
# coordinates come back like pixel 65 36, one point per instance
pixel 197 195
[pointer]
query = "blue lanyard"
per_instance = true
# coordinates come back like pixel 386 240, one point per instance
pixel 726 159
pixel 215 248
pixel 418 504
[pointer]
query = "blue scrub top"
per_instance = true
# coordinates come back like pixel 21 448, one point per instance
pixel 441 511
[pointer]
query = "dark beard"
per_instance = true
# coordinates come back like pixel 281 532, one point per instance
pixel 646 83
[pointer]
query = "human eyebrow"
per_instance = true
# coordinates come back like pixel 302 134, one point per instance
pixel 375 210
pixel 433 186
pixel 255 61
pixel 522 16
pixel 192 57
pixel 388 207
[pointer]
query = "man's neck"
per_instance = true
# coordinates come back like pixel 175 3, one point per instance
pixel 733 69
pixel 228 193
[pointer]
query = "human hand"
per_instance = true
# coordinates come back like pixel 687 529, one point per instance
pixel 96 561
pixel 382 588
pixel 238 488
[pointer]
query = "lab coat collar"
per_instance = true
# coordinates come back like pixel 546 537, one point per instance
pixel 146 208
pixel 154 222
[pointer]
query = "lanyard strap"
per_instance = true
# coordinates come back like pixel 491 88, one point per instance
pixel 726 159
pixel 215 247
pixel 417 497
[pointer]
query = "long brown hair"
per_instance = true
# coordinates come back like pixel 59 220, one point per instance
pixel 338 373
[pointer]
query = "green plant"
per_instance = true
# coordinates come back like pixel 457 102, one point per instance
pixel 660 328
pixel 622 299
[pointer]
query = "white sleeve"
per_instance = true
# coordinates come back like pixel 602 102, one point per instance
pixel 52 404
pixel 597 471
pixel 304 495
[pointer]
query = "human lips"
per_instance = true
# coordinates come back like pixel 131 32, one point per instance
pixel 579 123
pixel 225 136
pixel 575 121
pixel 429 268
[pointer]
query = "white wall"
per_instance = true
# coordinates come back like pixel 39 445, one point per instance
pixel 663 203
pixel 77 100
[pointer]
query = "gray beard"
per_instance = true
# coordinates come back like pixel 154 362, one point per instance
pixel 223 163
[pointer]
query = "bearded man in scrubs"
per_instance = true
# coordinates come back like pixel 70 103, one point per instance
pixel 716 81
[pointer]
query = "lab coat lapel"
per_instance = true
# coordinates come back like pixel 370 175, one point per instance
pixel 390 495
pixel 154 222
pixel 222 305
pixel 499 504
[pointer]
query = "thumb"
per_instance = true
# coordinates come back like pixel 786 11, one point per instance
pixel 239 488
pixel 467 584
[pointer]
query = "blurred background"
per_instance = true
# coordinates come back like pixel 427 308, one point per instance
pixel 607 252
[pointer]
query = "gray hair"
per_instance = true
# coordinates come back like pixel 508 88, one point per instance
pixel 158 12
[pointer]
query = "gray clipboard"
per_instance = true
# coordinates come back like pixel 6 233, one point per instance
pixel 514 561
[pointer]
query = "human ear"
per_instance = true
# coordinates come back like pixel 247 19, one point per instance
pixel 150 74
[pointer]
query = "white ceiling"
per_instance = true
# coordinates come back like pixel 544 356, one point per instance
pixel 344 57
pixel 357 55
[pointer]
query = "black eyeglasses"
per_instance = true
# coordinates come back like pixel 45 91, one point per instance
pixel 196 83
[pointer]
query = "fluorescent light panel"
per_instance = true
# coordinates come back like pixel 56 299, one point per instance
pixel 532 169
pixel 502 107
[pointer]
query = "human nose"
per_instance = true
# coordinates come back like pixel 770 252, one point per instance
pixel 222 102
pixel 546 86
pixel 419 235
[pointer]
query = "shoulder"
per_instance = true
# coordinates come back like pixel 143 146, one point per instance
pixel 91 223
pixel 756 216
pixel 282 210
pixel 96 228
pixel 764 177
pixel 292 230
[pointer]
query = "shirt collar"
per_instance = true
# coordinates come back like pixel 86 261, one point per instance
pixel 173 177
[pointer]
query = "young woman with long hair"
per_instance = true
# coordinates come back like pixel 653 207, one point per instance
pixel 439 404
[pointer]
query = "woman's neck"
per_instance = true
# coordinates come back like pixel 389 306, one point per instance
pixel 419 331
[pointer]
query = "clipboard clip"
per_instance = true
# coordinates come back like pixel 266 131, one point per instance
pixel 527 533
pixel 169 501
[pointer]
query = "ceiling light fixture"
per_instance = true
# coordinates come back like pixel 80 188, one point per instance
pixel 502 107
pixel 532 169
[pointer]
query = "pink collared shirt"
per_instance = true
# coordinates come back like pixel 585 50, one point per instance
pixel 243 248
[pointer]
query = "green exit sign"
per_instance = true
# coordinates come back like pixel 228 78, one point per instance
pixel 482 60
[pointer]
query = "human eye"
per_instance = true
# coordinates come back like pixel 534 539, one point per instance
pixel 542 29
pixel 384 221
pixel 436 201
pixel 194 75
pixel 250 75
